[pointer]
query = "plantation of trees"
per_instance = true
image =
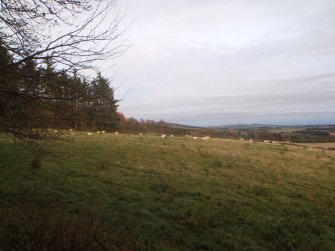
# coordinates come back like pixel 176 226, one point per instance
pixel 35 98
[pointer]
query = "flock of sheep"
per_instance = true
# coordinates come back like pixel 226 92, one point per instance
pixel 171 136
pixel 162 136
pixel 265 141
pixel 99 132
pixel 187 136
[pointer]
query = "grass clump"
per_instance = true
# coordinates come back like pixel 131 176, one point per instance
pixel 36 163
pixel 217 163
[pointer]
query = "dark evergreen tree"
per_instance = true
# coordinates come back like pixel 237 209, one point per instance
pixel 103 111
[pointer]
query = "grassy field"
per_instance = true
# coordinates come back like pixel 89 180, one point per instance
pixel 330 145
pixel 128 192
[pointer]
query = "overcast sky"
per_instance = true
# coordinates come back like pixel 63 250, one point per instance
pixel 218 62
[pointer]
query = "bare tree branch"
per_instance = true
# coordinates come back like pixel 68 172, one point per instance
pixel 27 31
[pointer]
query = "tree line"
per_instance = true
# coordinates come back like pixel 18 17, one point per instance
pixel 36 97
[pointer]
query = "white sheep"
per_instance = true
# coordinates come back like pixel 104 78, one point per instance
pixel 171 136
pixel 266 141
pixel 103 132
pixel 90 133
pixel 163 136
pixel 116 133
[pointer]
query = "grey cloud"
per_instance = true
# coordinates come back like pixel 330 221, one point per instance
pixel 224 60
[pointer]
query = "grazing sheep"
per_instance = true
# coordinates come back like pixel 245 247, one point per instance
pixel 90 133
pixel 103 132
pixel 140 134
pixel 242 139
pixel 251 141
pixel 194 137
pixel 55 131
pixel 98 132
pixel 171 136
pixel 116 133
pixel 163 136
pixel 266 141
pixel 71 130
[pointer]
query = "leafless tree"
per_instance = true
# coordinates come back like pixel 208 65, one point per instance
pixel 73 33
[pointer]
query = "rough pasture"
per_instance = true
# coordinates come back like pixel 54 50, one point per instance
pixel 145 192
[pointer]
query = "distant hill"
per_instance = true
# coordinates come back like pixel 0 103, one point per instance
pixel 247 126
pixel 267 126
pixel 185 126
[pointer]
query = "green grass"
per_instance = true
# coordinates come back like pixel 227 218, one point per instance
pixel 127 192
pixel 327 145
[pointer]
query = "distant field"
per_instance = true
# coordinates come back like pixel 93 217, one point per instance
pixel 128 192
pixel 330 145
pixel 286 129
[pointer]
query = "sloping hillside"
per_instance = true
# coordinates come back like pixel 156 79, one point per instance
pixel 127 192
